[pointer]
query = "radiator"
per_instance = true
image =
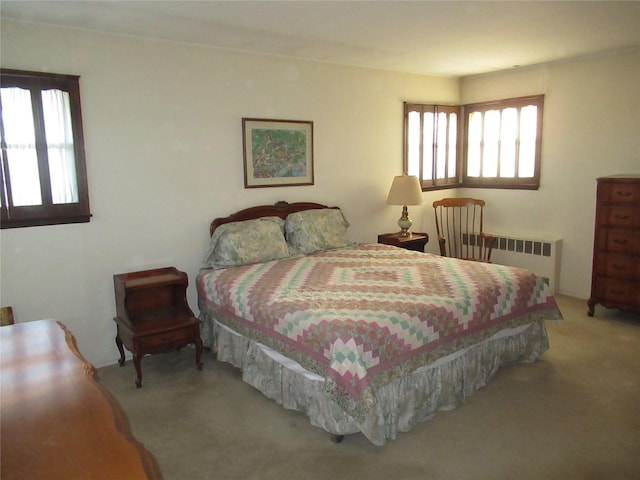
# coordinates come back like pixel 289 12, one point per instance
pixel 541 256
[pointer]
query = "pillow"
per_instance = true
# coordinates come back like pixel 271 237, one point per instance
pixel 242 243
pixel 317 230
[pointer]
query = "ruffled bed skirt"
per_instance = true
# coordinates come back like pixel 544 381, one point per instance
pixel 441 385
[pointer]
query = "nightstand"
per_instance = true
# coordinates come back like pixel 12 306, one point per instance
pixel 153 315
pixel 416 241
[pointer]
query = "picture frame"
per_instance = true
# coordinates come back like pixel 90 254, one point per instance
pixel 277 153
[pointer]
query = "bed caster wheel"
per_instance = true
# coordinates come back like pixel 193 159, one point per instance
pixel 337 438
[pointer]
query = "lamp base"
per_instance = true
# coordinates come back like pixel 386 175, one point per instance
pixel 405 223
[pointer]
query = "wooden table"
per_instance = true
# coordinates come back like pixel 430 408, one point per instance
pixel 57 422
pixel 415 241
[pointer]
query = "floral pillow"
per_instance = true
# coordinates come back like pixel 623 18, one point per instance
pixel 312 231
pixel 243 243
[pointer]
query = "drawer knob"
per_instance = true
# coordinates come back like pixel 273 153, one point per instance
pixel 623 194
pixel 622 217
pixel 620 241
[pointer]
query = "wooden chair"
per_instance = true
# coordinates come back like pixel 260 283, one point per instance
pixel 459 228
pixel 6 316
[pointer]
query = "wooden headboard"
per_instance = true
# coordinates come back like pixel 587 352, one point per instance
pixel 279 209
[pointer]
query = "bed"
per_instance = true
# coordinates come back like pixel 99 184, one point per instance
pixel 362 338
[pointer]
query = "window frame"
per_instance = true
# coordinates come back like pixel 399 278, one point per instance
pixel 433 183
pixel 463 180
pixel 521 183
pixel 47 213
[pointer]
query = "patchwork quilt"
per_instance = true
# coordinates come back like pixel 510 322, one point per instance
pixel 365 315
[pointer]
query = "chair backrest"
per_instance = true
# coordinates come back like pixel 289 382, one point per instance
pixel 459 228
pixel 6 316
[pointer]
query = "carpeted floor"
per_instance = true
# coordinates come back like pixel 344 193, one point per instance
pixel 574 414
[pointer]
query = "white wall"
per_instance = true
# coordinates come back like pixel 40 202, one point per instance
pixel 162 126
pixel 591 129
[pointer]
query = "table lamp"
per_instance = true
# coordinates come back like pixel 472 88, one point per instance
pixel 405 190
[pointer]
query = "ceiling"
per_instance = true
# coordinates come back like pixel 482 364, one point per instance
pixel 448 38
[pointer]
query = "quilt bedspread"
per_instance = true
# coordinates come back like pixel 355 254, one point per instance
pixel 365 315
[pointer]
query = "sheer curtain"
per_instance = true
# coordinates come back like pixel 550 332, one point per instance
pixel 57 122
pixel 17 116
pixel 22 158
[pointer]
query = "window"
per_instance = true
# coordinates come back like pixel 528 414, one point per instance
pixel 44 180
pixel 501 147
pixel 431 147
pixel 502 143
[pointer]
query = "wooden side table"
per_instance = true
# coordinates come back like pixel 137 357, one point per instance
pixel 416 241
pixel 153 315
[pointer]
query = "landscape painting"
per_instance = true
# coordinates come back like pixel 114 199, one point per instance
pixel 277 153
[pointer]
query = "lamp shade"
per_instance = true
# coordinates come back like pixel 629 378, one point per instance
pixel 405 190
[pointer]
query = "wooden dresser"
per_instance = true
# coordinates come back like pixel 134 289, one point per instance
pixel 57 421
pixel 615 281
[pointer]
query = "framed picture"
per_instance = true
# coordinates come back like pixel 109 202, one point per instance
pixel 277 153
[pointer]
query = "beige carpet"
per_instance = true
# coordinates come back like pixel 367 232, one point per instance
pixel 574 414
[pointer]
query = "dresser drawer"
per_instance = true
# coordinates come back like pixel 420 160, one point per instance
pixel 615 279
pixel 621 241
pixel 620 192
pixel 618 292
pixel 614 216
pixel 617 265
pixel 171 338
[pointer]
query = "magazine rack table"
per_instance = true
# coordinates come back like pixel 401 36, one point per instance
pixel 153 315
